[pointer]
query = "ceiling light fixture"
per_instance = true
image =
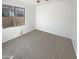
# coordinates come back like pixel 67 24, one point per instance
pixel 38 1
pixel 47 0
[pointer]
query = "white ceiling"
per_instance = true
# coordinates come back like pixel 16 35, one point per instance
pixel 34 2
pixel 42 2
pixel 28 1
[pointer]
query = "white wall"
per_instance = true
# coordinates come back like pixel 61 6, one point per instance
pixel 12 32
pixel 58 18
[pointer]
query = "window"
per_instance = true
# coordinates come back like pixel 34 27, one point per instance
pixel 19 16
pixel 12 16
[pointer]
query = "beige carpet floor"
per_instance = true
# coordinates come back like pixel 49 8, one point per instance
pixel 38 45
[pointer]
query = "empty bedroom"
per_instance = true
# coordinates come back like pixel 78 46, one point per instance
pixel 39 29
